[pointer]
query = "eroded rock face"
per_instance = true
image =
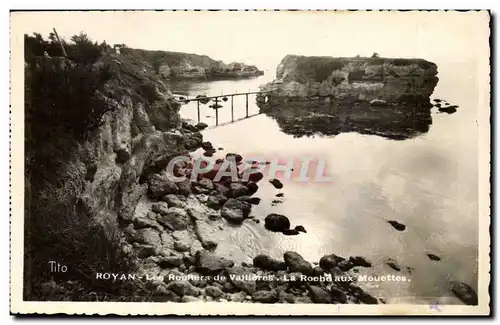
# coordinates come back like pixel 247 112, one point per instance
pixel 296 263
pixel 380 96
pixel 368 79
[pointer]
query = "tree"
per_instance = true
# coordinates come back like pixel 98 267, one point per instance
pixel 375 55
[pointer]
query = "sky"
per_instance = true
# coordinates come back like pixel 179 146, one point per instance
pixel 264 38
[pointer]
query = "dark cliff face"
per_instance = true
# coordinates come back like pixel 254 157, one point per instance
pixel 382 96
pixel 178 65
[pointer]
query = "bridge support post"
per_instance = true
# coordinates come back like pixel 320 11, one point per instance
pixel 232 108
pixel 198 108
pixel 216 112
pixel 247 104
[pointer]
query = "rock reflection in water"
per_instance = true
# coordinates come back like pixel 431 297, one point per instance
pixel 397 122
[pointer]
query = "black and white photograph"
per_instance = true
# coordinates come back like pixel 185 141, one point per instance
pixel 256 162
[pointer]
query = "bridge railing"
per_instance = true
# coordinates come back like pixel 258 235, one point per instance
pixel 216 106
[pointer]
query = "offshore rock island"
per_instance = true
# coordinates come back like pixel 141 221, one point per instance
pixel 384 96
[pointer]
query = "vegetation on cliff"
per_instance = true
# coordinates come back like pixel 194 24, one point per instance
pixel 66 100
pixel 178 65
pixel 319 68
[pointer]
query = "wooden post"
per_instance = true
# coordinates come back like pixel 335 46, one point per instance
pixel 216 112
pixel 232 108
pixel 247 104
pixel 198 108
pixel 60 43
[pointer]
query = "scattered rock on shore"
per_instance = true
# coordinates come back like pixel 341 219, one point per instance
pixel 201 126
pixel 265 296
pixel 465 293
pixel 235 211
pixel 433 257
pixel 277 222
pixel 328 262
pixel 161 185
pixel 296 263
pixel 398 226
pixel 265 262
pixel 276 183
pixel 207 262
pixel 319 295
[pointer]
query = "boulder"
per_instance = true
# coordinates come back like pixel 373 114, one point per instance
pixel 183 288
pixel 213 291
pixel 345 265
pixel 328 262
pixel 276 183
pixel 265 296
pixel 265 262
pixel 237 190
pixel 209 263
pixel 173 201
pixel 174 219
pixel 190 299
pixel 143 222
pixel 148 236
pixel 185 187
pixel 222 189
pixel 359 261
pixel 277 222
pixel 201 126
pixel 252 188
pixel 206 183
pixel 235 211
pixel 241 278
pixel 433 257
pixel 181 246
pixel 213 202
pixel 338 295
pixel 393 264
pixel 362 296
pixel 319 295
pixel 144 251
pixel 238 296
pixel 169 261
pixel 160 185
pixel 160 207
pixel 207 233
pixel 207 145
pixel 296 263
pixel 465 293
pixel 249 199
pixel 255 177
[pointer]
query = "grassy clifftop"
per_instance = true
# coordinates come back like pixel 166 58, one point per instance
pixel 318 68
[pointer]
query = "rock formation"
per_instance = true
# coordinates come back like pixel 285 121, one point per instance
pixel 388 97
pixel 178 65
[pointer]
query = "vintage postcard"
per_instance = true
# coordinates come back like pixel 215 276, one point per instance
pixel 250 162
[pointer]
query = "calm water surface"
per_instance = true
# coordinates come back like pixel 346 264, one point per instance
pixel 429 183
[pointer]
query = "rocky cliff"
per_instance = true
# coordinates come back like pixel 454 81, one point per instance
pixel 383 96
pixel 335 80
pixel 177 65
